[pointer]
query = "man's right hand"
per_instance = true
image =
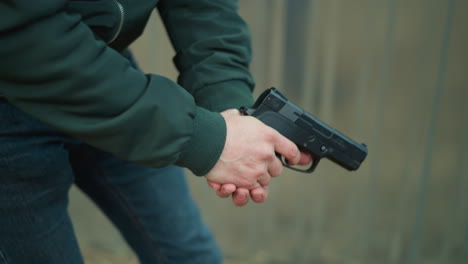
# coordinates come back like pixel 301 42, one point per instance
pixel 249 159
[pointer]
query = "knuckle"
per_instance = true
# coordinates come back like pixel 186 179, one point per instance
pixel 265 178
pixel 266 155
pixel 258 173
pixel 248 182
pixel 269 134
pixel 262 155
pixel 244 182
pixel 293 151
pixel 278 171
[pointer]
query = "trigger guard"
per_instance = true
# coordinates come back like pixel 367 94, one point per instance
pixel 313 166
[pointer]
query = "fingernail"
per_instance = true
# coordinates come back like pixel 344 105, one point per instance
pixel 258 198
pixel 242 197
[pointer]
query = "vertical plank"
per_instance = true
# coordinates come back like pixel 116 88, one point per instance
pixel 354 208
pixel 377 144
pixel 457 220
pixel 464 257
pixel 407 188
pixel 309 87
pixel 276 32
pixel 330 44
pixel 415 250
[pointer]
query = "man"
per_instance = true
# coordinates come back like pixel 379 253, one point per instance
pixel 75 110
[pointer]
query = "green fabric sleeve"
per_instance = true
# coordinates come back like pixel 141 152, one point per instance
pixel 53 68
pixel 213 51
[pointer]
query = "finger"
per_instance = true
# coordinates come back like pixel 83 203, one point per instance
pixel 240 197
pixel 287 149
pixel 226 190
pixel 259 195
pixel 213 185
pixel 275 168
pixel 305 159
pixel 222 194
pixel 263 180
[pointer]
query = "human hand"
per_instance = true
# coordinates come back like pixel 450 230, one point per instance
pixel 248 161
pixel 240 196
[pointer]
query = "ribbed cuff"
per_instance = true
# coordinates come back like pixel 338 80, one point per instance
pixel 204 148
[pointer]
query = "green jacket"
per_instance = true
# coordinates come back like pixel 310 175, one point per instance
pixel 61 61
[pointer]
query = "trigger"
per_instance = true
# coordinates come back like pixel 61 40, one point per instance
pixel 313 165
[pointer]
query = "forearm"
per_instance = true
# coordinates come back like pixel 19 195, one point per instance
pixel 213 51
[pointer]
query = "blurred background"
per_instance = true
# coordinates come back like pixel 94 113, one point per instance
pixel 390 73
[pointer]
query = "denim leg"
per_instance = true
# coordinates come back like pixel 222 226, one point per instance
pixel 35 177
pixel 152 208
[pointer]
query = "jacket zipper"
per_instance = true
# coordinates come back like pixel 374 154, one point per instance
pixel 121 22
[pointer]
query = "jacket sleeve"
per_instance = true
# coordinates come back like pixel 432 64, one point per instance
pixel 53 68
pixel 213 51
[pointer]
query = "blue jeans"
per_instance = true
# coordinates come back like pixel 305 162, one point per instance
pixel 152 208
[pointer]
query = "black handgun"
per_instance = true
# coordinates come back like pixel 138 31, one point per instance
pixel 307 132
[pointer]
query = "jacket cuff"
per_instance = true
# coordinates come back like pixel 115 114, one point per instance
pixel 225 95
pixel 204 148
